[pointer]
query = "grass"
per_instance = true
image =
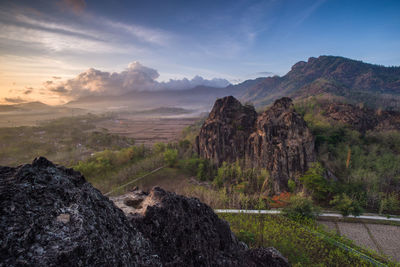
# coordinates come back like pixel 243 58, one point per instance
pixel 296 240
pixel 64 141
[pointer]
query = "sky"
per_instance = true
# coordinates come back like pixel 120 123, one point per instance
pixel 58 50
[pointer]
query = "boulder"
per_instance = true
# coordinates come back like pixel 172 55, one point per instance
pixel 187 232
pixel 50 216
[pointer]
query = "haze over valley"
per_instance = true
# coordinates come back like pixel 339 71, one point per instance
pixel 199 133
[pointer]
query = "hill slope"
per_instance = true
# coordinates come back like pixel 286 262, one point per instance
pixel 334 77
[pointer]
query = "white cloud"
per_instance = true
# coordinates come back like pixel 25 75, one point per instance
pixel 135 78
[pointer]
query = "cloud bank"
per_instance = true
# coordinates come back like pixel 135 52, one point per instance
pixel 14 100
pixel 135 78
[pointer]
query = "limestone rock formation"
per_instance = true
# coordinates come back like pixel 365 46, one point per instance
pixel 278 139
pixel 186 232
pixel 224 135
pixel 281 143
pixel 50 216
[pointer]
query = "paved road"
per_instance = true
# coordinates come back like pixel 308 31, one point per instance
pixel 384 239
pixel 335 215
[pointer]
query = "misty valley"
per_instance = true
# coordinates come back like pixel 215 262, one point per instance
pixel 200 133
pixel 304 156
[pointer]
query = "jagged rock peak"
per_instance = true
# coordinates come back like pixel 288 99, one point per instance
pixel 230 107
pixel 225 131
pixel 187 232
pixel 278 139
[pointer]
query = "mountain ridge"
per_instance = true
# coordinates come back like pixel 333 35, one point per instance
pixel 333 76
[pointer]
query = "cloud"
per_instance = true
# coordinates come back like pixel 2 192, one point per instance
pixel 135 78
pixel 28 90
pixel 14 100
pixel 196 81
pixel 76 5
pixel 265 73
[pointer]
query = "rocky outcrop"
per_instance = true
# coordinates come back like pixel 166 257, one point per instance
pixel 50 216
pixel 362 119
pixel 186 232
pixel 278 139
pixel 281 143
pixel 223 137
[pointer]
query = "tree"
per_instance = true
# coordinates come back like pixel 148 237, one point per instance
pixel 346 205
pixel 300 207
pixel 315 182
pixel 171 157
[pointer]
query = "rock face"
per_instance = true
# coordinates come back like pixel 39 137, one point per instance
pixel 50 216
pixel 363 119
pixel 278 139
pixel 224 135
pixel 186 232
pixel 282 143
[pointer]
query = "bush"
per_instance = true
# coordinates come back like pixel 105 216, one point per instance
pixel 291 186
pixel 171 157
pixel 389 204
pixel 159 147
pixel 315 182
pixel 300 208
pixel 346 205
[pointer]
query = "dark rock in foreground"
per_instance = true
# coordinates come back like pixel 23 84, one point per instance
pixel 187 232
pixel 50 216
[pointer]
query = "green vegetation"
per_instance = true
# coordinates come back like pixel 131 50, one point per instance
pixel 109 161
pixel 301 208
pixel 64 141
pixel 366 167
pixel 315 182
pixel 302 242
pixel 171 157
pixel 346 205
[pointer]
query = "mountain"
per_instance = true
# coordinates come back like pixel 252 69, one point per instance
pixel 345 79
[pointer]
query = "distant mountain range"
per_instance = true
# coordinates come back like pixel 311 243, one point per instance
pixel 337 78
pixel 340 78
pixel 36 107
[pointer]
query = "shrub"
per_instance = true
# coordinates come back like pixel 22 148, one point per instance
pixel 389 204
pixel 346 205
pixel 246 237
pixel 171 157
pixel 315 182
pixel 279 201
pixel 300 208
pixel 159 147
pixel 291 185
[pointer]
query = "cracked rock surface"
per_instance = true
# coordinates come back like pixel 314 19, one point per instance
pixel 50 216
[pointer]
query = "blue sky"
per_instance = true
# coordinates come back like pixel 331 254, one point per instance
pixel 234 40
